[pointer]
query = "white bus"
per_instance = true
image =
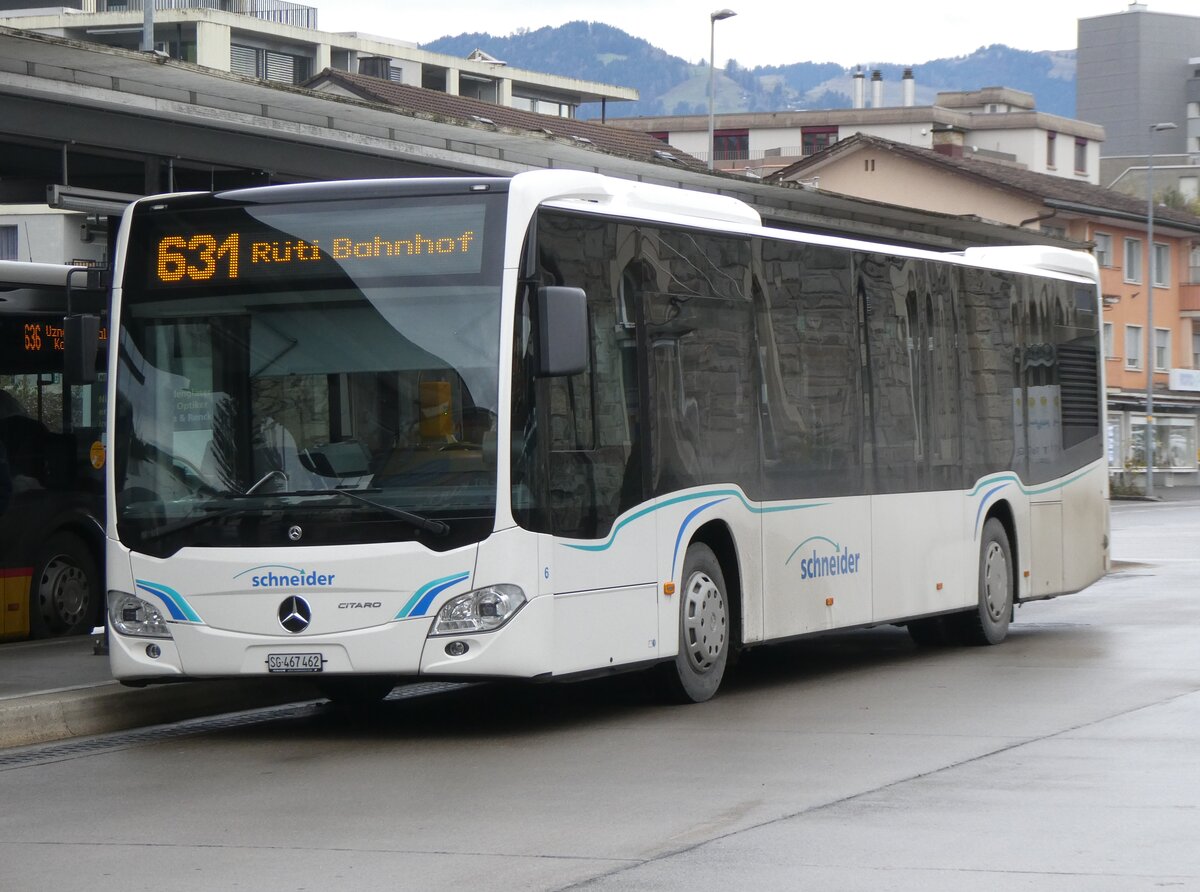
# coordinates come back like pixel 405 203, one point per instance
pixel 558 425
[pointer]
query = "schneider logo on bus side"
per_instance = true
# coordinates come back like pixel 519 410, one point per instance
pixel 820 557
pixel 281 576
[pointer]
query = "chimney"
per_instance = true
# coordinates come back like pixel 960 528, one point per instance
pixel 948 140
pixel 860 89
pixel 910 88
pixel 376 66
pixel 876 89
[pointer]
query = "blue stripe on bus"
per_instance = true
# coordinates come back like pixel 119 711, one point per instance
pixel 726 493
pixel 176 604
pixel 423 597
pixel 683 526
pixel 1006 479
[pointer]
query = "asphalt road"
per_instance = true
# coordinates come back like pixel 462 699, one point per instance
pixel 1066 759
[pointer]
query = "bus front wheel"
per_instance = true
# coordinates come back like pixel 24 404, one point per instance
pixel 65 589
pixel 704 630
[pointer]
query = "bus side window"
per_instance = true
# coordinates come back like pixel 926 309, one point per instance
pixel 700 329
pixel 809 345
pixel 991 391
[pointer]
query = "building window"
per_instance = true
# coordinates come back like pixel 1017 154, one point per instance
pixel 1162 265
pixel 1133 260
pixel 1051 144
pixel 485 89
pixel 1162 349
pixel 1174 441
pixel 1103 248
pixel 1108 341
pixel 1133 346
pixel 815 139
pixel 662 135
pixel 8 243
pixel 731 145
pixel 550 107
pixel 1081 152
pixel 1196 351
pixel 268 65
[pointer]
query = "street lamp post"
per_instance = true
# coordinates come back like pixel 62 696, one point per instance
pixel 713 18
pixel 1148 443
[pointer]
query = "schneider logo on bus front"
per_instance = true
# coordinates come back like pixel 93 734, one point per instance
pixel 281 576
pixel 817 561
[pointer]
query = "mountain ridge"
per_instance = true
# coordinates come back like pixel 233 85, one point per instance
pixel 670 85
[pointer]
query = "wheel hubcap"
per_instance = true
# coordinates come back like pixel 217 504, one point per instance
pixel 704 622
pixel 63 592
pixel 995 580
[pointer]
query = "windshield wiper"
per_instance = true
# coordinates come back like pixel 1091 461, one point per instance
pixel 437 527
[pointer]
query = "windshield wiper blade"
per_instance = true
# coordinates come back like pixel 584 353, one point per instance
pixel 437 527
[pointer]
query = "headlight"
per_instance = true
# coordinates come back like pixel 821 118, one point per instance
pixel 130 615
pixel 482 610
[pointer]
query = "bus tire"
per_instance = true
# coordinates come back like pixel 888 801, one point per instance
pixel 65 591
pixel 988 622
pixel 704 630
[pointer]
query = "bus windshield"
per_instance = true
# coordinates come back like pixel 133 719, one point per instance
pixel 296 372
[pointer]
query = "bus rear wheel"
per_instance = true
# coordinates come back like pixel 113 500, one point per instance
pixel 704 630
pixel 988 622
pixel 65 589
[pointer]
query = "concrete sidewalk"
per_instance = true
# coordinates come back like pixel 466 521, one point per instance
pixel 52 690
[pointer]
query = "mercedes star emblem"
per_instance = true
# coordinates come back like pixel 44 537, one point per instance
pixel 295 614
pixel 295 533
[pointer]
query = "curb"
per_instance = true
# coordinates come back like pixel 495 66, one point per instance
pixel 105 708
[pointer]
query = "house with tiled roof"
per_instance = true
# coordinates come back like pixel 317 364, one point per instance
pixel 950 180
pixel 416 101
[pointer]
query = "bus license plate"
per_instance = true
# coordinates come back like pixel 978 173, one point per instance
pixel 295 662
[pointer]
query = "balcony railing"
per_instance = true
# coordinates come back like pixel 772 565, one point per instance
pixel 278 11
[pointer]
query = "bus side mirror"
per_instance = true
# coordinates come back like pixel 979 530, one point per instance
pixel 562 331
pixel 81 342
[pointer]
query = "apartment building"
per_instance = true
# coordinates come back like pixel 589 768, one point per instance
pixel 1137 68
pixel 997 123
pixel 278 41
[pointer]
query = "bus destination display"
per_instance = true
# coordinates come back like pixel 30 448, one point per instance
pixel 272 245
pixel 39 336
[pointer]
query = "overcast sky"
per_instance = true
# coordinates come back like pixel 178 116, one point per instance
pixel 764 32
